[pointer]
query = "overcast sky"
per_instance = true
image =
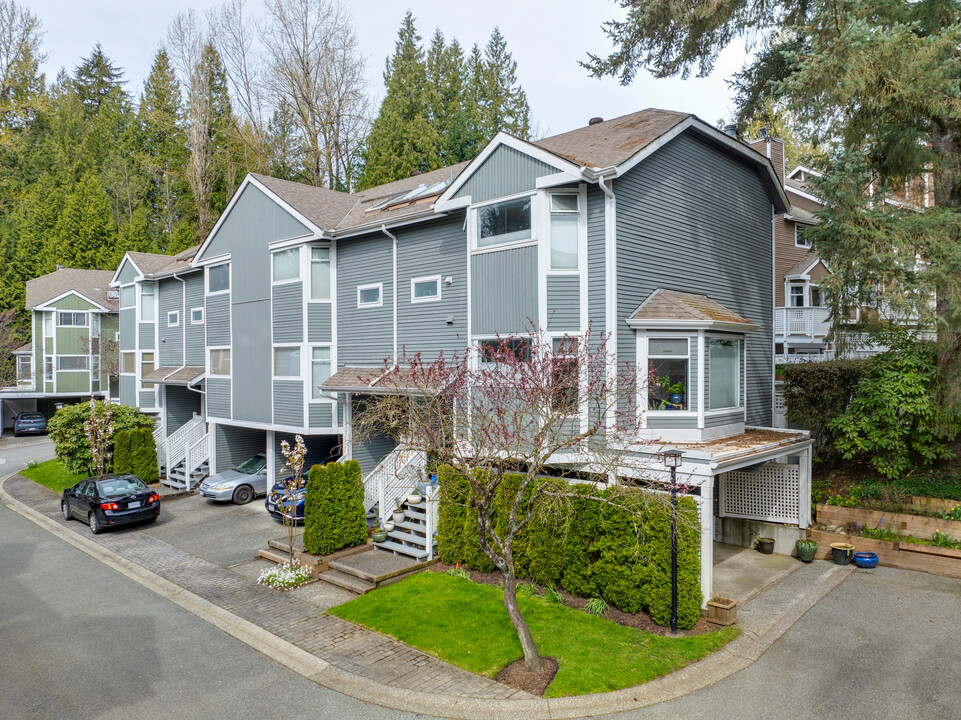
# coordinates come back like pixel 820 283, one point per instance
pixel 546 38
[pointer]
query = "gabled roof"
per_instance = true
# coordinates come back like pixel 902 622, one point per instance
pixel 802 188
pixel 91 285
pixel 800 215
pixel 805 265
pixel 153 265
pixel 672 309
pixel 24 349
pixel 324 208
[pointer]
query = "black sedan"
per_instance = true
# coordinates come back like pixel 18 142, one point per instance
pixel 29 422
pixel 110 500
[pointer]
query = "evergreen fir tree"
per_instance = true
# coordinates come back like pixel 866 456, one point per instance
pixel 284 146
pixel 135 234
pixel 95 79
pixel 448 103
pixel 503 102
pixel 85 234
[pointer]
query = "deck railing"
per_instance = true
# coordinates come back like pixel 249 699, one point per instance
pixel 811 322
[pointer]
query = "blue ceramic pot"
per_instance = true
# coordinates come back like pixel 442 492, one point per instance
pixel 865 559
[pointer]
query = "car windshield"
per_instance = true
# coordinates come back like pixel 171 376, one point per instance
pixel 121 486
pixel 252 466
pixel 32 416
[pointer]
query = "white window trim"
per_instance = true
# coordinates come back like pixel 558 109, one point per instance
pixel 62 357
pixel 210 371
pixel 201 320
pixel 86 319
pixel 310 375
pixel 310 265
pixel 741 382
pixel 230 279
pixel 472 223
pixel 427 278
pixel 656 335
pixel 581 215
pixel 128 352
pixel 797 240
pixel 300 269
pixel 176 318
pixel 380 295
pixel 273 361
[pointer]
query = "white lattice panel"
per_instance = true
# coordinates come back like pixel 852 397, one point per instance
pixel 769 493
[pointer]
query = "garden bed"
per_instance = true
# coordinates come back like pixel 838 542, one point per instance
pixel 904 555
pixel 920 526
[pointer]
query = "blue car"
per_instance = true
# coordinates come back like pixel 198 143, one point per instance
pixel 283 504
pixel 30 423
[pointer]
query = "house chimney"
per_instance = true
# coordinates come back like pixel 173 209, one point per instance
pixel 731 130
pixel 595 120
pixel 772 149
pixel 415 172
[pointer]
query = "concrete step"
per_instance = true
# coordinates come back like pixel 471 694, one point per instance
pixel 173 482
pixel 418 553
pixel 349 570
pixel 276 556
pixel 346 581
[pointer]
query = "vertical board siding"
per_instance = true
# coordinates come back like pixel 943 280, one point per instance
pixel 505 172
pixel 287 313
pixel 218 397
pixel 147 332
pixel 218 320
pixel 251 364
pixel 365 336
pixel 128 328
pixel 319 329
pixel 128 390
pixel 504 289
pixel 194 336
pixel 437 248
pixel 171 338
pixel 73 382
pixel 233 445
pixel 321 415
pixel 596 265
pixel 289 402
pixel 181 405
pixel 564 303
pixel 671 213
pixel 72 302
pixel 72 340
pixel 128 274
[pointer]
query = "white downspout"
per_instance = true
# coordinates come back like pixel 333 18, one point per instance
pixel 610 275
pixel 383 229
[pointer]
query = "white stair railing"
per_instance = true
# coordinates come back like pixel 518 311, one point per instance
pixel 397 485
pixel 185 436
pixel 197 454
pixel 431 503
pixel 161 444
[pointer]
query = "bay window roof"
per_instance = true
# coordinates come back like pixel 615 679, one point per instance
pixel 669 309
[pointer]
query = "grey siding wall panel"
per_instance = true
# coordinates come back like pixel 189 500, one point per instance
pixel 147 335
pixel 437 248
pixel 505 172
pixel 128 274
pixel 171 298
pixel 504 288
pixel 596 282
pixel 233 445
pixel 128 328
pixel 218 320
pixel 287 313
pixel 664 422
pixel 194 334
pixel 250 362
pixel 218 397
pixel 563 303
pixel 319 322
pixel 289 402
pixel 181 406
pixel 321 415
pixel 370 452
pixel 364 335
pixel 148 398
pixel 669 207
pixel 128 390
pixel 735 416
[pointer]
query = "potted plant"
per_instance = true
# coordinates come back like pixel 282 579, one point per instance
pixel 388 525
pixel 414 498
pixel 399 511
pixel 842 552
pixel 764 545
pixel 675 395
pixel 378 535
pixel 721 610
pixel 806 549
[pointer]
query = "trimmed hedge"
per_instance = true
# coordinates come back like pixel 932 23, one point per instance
pixel 70 441
pixel 135 452
pixel 620 553
pixel 334 516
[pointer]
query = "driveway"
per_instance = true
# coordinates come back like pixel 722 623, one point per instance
pixel 15 453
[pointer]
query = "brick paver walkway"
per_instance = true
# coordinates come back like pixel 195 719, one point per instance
pixel 336 641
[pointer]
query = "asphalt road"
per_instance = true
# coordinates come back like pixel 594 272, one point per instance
pixel 15 453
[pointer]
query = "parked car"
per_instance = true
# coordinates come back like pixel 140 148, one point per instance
pixel 110 500
pixel 241 484
pixel 281 502
pixel 29 422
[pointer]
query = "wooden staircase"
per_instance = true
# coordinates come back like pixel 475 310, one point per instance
pixel 410 537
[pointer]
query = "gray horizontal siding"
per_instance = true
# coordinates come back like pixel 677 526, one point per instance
pixel 321 415
pixel 287 313
pixel 564 303
pixel 181 405
pixel 504 289
pixel 128 274
pixel 233 445
pixel 724 418
pixel 147 335
pixel 194 335
pixel 505 172
pixel 128 328
pixel 218 397
pixel 218 320
pixel 251 363
pixel 289 402
pixel 371 451
pixel 128 390
pixel 148 399
pixel 596 278
pixel 319 329
pixel 718 244
pixel 365 336
pixel 666 422
pixel 171 298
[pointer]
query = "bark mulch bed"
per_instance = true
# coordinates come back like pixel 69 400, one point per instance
pixel 641 621
pixel 517 676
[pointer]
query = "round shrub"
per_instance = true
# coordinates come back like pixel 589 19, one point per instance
pixel 70 442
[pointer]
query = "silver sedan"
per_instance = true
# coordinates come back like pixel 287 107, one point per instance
pixel 240 484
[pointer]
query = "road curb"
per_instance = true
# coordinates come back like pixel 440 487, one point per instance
pixel 756 638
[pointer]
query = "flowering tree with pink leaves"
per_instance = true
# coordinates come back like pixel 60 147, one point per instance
pixel 520 405
pixel 99 431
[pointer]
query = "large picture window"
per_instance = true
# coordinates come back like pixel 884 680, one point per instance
pixel 71 363
pixel 669 363
pixel 724 370
pixel 320 273
pixel 564 232
pixel 504 222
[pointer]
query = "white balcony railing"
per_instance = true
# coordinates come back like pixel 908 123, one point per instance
pixel 810 322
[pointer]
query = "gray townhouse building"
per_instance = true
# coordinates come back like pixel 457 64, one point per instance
pixel 654 228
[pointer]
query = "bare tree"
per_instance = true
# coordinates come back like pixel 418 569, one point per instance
pixel 316 67
pixel 521 405
pixel 20 36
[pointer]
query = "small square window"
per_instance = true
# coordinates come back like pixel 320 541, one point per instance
pixel 801 238
pixel 173 318
pixel 197 316
pixel 425 289
pixel 287 362
pixel 128 363
pixel 220 362
pixel 370 295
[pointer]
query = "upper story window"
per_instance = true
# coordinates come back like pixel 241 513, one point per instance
pixel 48 369
pixel 128 363
pixel 564 231
pixel 286 265
pixel 24 369
pixel 724 369
pixel 148 302
pixel 128 296
pixel 48 324
pixel 173 318
pixel 504 222
pixel 797 295
pixel 425 289
pixel 218 279
pixel 146 367
pixel 801 238
pixel 319 370
pixel 70 363
pixel 197 316
pixel 670 360
pixel 370 295
pixel 219 362
pixel 287 362
pixel 497 350
pixel 72 319
pixel 320 273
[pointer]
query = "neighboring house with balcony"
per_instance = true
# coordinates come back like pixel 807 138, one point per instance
pixel 612 227
pixel 70 356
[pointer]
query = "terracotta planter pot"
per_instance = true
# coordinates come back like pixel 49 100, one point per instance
pixel 722 611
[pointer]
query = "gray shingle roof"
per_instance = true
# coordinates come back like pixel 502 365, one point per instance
pixel 152 264
pixel 673 306
pixel 92 284
pixel 173 375
pixel 805 217
pixel 804 264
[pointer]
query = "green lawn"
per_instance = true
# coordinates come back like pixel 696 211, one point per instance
pixel 53 475
pixel 465 624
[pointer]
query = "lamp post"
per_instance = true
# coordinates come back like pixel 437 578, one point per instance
pixel 672 458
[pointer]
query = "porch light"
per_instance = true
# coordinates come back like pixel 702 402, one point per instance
pixel 672 459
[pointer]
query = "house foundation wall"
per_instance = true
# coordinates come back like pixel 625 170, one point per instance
pixel 741 533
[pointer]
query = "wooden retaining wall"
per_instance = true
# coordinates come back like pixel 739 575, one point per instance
pixel 906 556
pixel 918 526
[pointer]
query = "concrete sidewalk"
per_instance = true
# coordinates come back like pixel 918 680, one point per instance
pixel 376 669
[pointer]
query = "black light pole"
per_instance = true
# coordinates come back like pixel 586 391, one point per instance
pixel 672 458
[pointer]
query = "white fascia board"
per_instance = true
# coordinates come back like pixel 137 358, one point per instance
pixel 455 204
pixel 802 168
pixel 561 178
pixel 115 280
pixel 215 260
pixel 682 325
pixel 801 193
pixel 61 296
pixel 798 221
pixel 292 242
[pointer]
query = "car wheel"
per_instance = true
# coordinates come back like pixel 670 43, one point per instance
pixel 16 434
pixel 243 495
pixel 65 509
pixel 94 524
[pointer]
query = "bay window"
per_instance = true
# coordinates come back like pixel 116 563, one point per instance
pixel 724 364
pixel 669 367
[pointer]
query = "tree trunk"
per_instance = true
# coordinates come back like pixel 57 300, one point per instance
pixel 532 658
